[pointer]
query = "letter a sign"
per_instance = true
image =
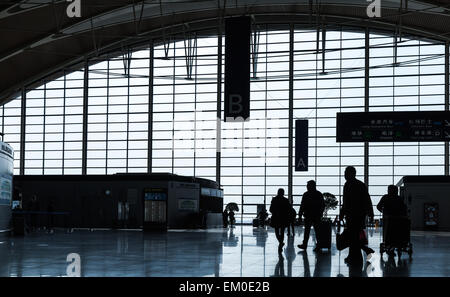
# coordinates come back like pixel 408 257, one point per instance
pixel 301 145
pixel 237 69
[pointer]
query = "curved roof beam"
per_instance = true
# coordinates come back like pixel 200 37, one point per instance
pixel 59 40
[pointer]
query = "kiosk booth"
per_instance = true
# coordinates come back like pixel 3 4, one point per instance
pixel 130 201
pixel 428 201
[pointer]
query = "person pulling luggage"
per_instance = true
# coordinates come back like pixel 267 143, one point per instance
pixel 391 204
pixel 311 207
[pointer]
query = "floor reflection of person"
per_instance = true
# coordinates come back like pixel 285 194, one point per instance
pixel 306 269
pixel 323 265
pixel 290 255
pixel 224 235
pixel 232 239
pixel 261 236
pixel 262 217
pixel 279 267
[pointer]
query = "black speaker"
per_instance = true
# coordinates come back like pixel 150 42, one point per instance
pixel 237 69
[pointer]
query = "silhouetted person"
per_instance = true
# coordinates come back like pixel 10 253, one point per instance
pixel 225 218
pixel 232 219
pixel 34 208
pixel 290 226
pixel 391 204
pixel 280 208
pixel 50 210
pixel 311 208
pixel 355 207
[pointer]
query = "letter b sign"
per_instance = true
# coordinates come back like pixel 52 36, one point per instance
pixel 236 109
pixel 237 69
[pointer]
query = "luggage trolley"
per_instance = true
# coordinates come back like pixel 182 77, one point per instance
pixel 396 235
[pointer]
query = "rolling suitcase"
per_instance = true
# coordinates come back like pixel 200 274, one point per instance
pixel 323 235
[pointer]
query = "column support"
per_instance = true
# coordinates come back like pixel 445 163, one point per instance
pixel 447 101
pixel 150 111
pixel 366 102
pixel 291 113
pixel 85 118
pixel 23 108
pixel 219 104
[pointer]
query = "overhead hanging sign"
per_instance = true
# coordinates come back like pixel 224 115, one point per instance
pixel 399 126
pixel 237 69
pixel 301 145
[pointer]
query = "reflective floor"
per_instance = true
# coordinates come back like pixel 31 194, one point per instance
pixel 242 251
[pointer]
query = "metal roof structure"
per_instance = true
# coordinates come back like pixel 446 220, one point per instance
pixel 38 37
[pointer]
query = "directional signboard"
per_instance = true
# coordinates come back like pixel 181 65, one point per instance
pixel 301 145
pixel 237 69
pixel 393 126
